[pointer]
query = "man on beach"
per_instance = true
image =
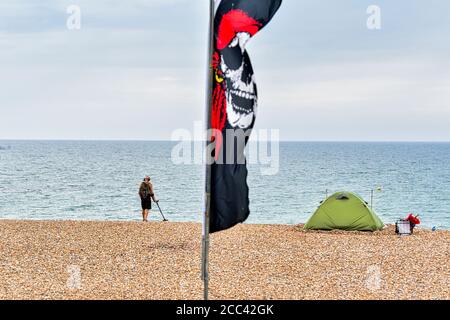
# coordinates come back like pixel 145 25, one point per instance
pixel 146 193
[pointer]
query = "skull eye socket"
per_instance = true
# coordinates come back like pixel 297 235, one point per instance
pixel 232 57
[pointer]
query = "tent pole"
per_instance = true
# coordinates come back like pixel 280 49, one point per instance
pixel 206 217
pixel 371 199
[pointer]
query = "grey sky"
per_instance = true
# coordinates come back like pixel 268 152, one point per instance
pixel 136 70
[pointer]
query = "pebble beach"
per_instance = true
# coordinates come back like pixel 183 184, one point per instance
pixel 161 260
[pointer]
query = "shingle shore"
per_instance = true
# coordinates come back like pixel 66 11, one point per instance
pixel 133 260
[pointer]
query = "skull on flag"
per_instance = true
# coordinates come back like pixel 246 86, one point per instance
pixel 235 71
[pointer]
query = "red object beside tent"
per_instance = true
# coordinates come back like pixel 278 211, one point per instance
pixel 412 219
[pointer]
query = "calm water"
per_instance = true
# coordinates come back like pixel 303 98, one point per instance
pixel 99 180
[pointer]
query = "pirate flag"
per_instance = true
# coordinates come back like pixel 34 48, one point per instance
pixel 234 105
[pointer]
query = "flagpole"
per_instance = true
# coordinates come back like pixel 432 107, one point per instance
pixel 205 231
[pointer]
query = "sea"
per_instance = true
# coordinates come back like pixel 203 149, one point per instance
pixel 99 180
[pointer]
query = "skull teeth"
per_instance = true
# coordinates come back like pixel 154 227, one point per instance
pixel 242 110
pixel 243 94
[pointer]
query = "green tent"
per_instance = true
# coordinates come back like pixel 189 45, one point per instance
pixel 346 211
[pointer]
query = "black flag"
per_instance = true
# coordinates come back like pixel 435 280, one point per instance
pixel 234 104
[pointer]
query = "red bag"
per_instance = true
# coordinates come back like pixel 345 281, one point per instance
pixel 412 219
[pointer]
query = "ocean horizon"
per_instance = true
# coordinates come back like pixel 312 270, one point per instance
pixel 99 180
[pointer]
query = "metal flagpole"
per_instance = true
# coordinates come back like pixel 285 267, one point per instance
pixel 205 232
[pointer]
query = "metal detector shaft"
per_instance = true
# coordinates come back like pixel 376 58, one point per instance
pixel 160 211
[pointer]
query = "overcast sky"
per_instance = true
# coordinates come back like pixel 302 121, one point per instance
pixel 136 70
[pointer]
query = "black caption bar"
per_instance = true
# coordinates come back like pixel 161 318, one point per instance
pixel 217 309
